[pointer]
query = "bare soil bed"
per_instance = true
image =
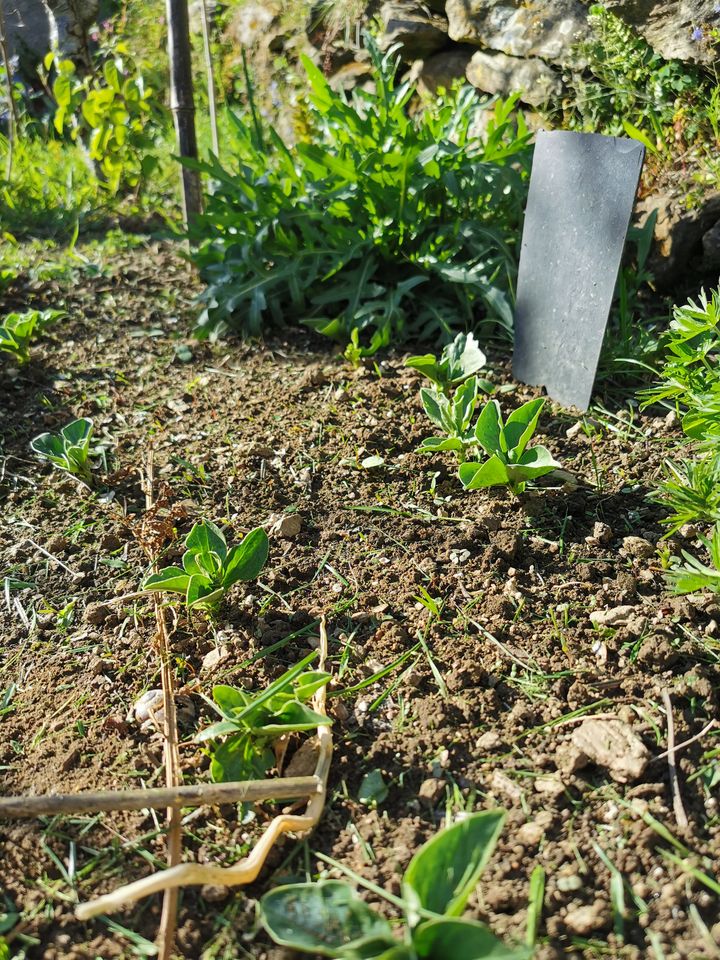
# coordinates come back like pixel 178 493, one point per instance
pixel 482 700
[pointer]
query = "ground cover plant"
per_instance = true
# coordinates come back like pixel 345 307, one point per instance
pixel 479 643
pixel 69 449
pixel 377 222
pixel 209 568
pixel 329 919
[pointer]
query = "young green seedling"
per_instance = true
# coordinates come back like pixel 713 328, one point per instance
pixel 329 919
pixel 693 575
pixel 458 361
pixel 209 569
pixel 252 722
pixel 68 450
pixel 509 461
pixel 453 416
pixel 18 329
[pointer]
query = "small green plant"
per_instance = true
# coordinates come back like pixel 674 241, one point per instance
pixel 453 416
pixel 68 450
pixel 252 722
pixel 112 112
pixel 378 220
pixel 690 376
pixel 694 575
pixel 459 360
pixel 329 919
pixel 510 462
pixel 691 489
pixel 209 569
pixel 18 329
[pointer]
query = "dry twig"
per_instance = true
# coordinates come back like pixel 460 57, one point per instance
pixel 247 869
pixel 678 808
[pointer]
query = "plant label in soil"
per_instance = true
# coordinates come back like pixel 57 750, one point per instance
pixel 582 191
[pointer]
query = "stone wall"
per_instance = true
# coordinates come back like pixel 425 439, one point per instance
pixel 502 46
pixel 34 26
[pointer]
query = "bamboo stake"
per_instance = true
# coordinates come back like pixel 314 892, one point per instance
pixel 12 108
pixel 245 870
pixel 182 102
pixel 188 795
pixel 212 105
pixel 171 750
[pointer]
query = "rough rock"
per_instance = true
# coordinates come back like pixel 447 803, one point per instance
pixel 613 745
pixel 443 69
pixel 585 920
pixel 547 29
pixel 501 74
pixel 214 658
pixel 431 789
pixel 638 547
pixel 668 25
pixel 711 247
pixel 679 233
pixel 419 32
pixel 614 617
pixel 35 26
pixel 288 526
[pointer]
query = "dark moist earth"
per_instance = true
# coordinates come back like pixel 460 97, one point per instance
pixel 481 714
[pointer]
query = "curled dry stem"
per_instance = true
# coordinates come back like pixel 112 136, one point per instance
pixel 246 870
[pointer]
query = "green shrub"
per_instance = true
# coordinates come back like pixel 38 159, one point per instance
pixel 380 222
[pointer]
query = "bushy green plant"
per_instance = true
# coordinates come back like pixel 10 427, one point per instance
pixel 329 919
pixel 112 112
pixel 453 416
pixel 626 88
pixel 209 568
pixel 252 722
pixel 68 450
pixel 17 331
pixel 380 221
pixel 693 575
pixel 691 490
pixel 510 461
pixel 459 360
pixel 690 376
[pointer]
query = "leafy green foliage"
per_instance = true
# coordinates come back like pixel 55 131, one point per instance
pixel 68 450
pixel 380 222
pixel 209 568
pixel 253 722
pixel 18 330
pixel 453 416
pixel 626 88
pixel 328 918
pixel 111 112
pixel 691 489
pixel 459 360
pixel 690 377
pixel 693 574
pixel 510 462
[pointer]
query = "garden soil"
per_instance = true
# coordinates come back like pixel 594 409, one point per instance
pixel 478 604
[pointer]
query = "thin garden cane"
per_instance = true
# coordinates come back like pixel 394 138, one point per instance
pixel 246 870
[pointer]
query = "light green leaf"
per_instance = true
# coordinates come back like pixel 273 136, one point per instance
pixel 205 537
pixel 445 870
pixel 488 429
pixel 172 579
pixel 324 918
pixel 246 560
pixel 462 940
pixel 491 473
pixel 521 424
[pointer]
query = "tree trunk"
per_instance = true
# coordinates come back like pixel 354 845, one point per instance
pixel 182 102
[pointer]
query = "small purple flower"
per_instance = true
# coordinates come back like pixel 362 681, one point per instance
pixel 697 35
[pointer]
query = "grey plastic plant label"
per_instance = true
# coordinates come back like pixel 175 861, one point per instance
pixel 582 191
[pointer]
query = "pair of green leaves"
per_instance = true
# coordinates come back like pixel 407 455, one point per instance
pixel 18 329
pixel 693 574
pixel 328 918
pixel 252 722
pixel 458 361
pixel 509 461
pixel 69 450
pixel 209 568
pixel 453 415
